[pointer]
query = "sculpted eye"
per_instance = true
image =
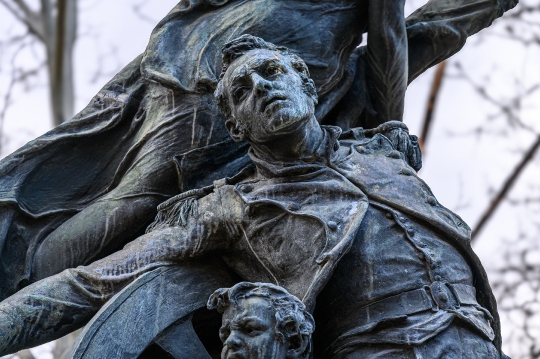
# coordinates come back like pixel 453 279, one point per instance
pixel 240 93
pixel 253 329
pixel 273 70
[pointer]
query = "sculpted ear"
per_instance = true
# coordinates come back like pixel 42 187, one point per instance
pixel 236 133
pixel 311 90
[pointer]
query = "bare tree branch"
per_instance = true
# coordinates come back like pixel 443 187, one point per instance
pixel 30 18
pixel 519 272
pixel 57 81
pixel 18 76
pixel 432 101
pixel 137 9
pixel 57 31
pixel 61 35
pixel 508 184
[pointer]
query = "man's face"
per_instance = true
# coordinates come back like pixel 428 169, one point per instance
pixel 266 95
pixel 248 332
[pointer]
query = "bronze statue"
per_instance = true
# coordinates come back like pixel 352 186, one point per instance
pixel 91 185
pixel 338 219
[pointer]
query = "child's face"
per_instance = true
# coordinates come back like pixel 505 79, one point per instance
pixel 248 332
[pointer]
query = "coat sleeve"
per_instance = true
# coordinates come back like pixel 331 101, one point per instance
pixel 55 306
pixel 440 28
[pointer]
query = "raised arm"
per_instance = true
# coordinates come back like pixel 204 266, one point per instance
pixel 55 306
pixel 440 28
pixel 387 58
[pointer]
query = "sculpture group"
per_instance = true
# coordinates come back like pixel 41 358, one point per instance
pixel 250 183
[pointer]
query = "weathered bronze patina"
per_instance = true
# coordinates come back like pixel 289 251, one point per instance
pixel 339 219
pixel 91 185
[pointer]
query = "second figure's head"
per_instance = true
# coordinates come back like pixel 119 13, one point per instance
pixel 262 321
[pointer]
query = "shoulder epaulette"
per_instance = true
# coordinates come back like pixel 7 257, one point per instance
pixel 197 193
pixel 176 210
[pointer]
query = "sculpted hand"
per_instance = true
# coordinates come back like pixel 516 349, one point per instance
pixel 398 134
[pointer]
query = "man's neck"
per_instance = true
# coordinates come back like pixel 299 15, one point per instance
pixel 301 144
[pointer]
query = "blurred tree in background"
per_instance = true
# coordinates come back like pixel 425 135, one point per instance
pixel 37 52
pixel 510 99
pixel 480 128
pixel 52 26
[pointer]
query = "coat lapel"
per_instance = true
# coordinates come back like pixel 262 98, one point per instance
pixel 385 177
pixel 324 195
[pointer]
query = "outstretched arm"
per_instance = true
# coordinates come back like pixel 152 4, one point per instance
pixel 434 32
pixel 440 28
pixel 387 62
pixel 55 306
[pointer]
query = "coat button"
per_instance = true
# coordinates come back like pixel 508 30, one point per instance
pixel 437 278
pixel 432 201
pixel 388 215
pixel 394 154
pixel 406 172
pixel 294 207
pixel 361 149
pixel 332 225
pixel 247 188
pixel 410 231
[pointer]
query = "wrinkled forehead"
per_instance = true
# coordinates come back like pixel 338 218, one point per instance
pixel 253 61
pixel 250 307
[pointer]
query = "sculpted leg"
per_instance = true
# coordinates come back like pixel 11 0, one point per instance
pixel 177 123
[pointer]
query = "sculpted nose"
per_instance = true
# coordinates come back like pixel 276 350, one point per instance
pixel 233 342
pixel 261 85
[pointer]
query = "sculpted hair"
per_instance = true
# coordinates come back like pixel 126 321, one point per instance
pixel 240 46
pixel 293 321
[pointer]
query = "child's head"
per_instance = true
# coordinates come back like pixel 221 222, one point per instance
pixel 262 321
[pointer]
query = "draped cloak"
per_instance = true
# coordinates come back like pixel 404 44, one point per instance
pixel 154 129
